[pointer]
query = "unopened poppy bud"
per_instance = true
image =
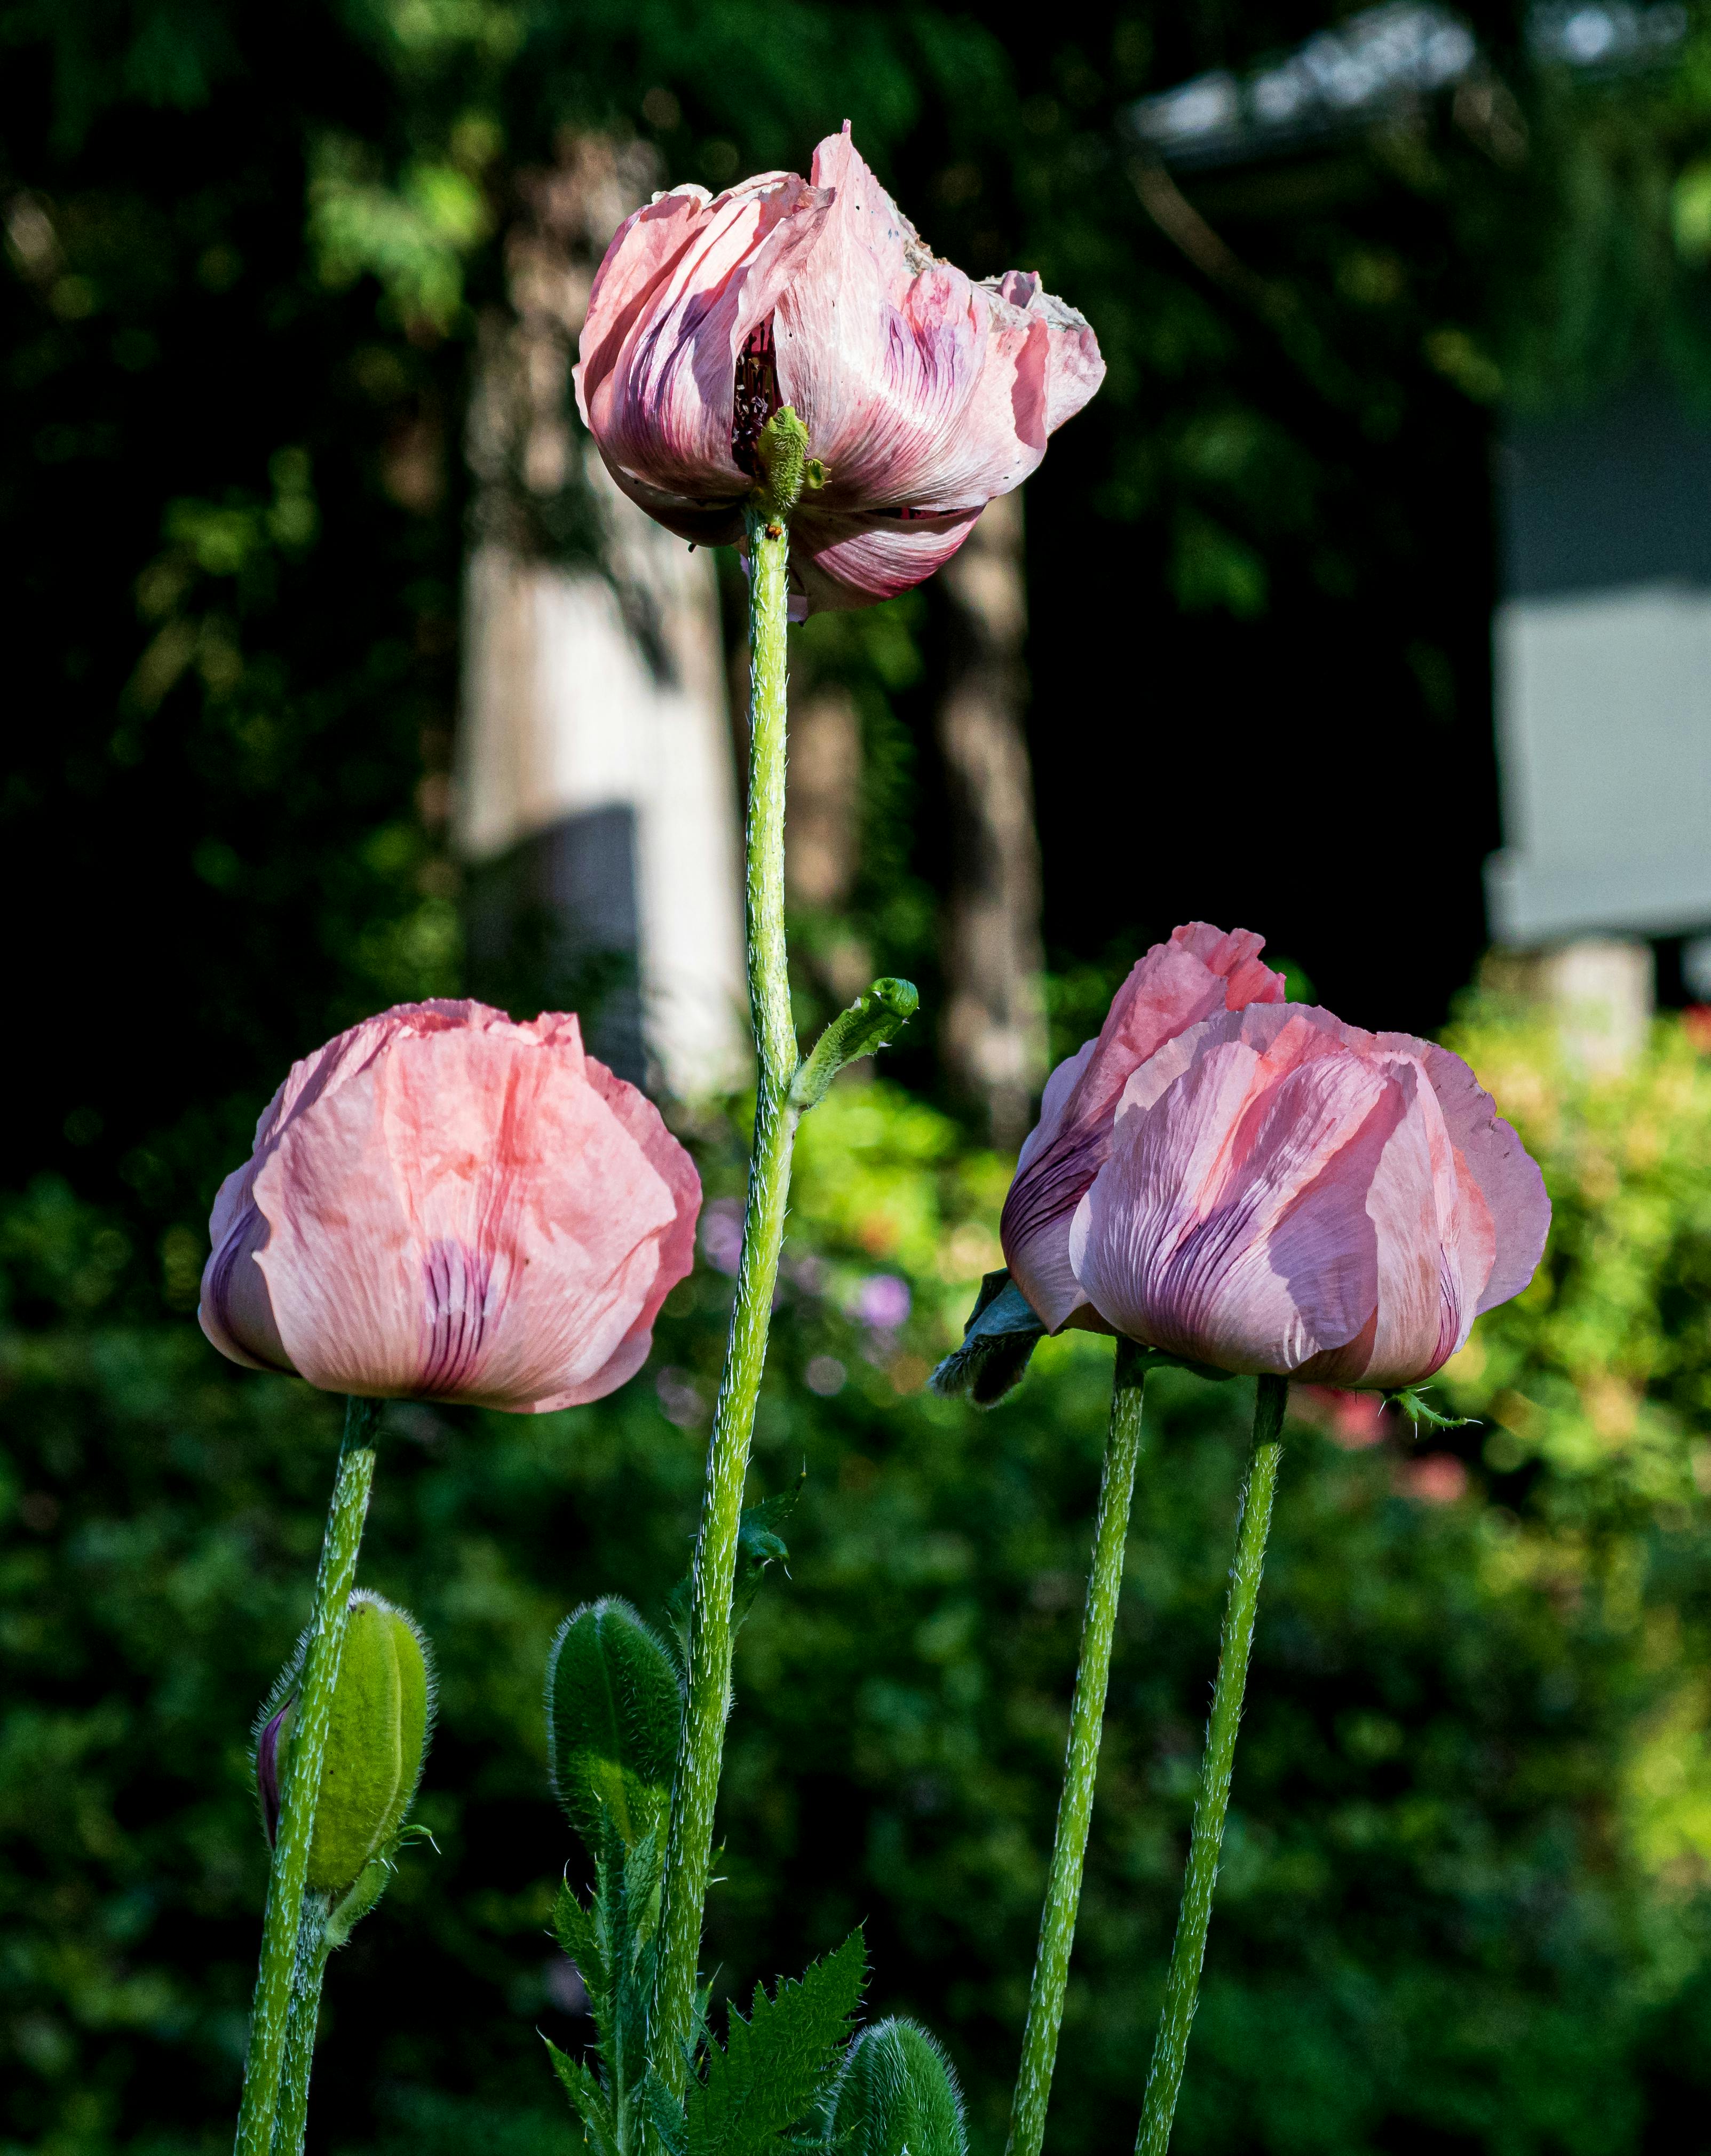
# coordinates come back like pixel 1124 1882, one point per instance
pixel 615 1715
pixel 896 2096
pixel 382 1712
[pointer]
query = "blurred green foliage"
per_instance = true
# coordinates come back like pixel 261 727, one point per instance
pixel 1465 1897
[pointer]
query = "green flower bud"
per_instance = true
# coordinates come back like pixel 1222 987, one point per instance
pixel 897 2092
pixel 382 1712
pixel 615 1717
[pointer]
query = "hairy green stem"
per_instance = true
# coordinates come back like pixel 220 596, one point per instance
pixel 300 1791
pixel 696 1787
pixel 300 2022
pixel 1074 1808
pixel 1182 1986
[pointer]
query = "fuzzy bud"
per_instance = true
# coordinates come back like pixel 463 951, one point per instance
pixel 615 1715
pixel 382 1713
pixel 898 2096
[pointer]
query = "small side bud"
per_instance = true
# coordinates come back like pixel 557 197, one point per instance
pixel 382 1713
pixel 615 1717
pixel 873 1022
pixel 896 2096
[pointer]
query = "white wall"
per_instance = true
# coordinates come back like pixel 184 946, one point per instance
pixel 1603 734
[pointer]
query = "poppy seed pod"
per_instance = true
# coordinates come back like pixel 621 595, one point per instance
pixel 444 1205
pixel 383 1711
pixel 922 393
pixel 896 2096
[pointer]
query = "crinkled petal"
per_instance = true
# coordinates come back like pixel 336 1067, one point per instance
pixel 1075 368
pixel 919 388
pixel 641 1120
pixel 1230 1223
pixel 1508 1176
pixel 474 1213
pixel 681 286
pixel 1198 971
pixel 841 562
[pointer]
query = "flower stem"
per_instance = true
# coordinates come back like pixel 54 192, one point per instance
pixel 1182 1986
pixel 1063 1891
pixel 695 1786
pixel 302 1790
pixel 300 2020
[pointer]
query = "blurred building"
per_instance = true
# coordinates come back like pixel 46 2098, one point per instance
pixel 1602 649
pixel 1602 636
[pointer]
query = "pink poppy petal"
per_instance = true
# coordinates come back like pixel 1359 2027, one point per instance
pixel 1200 970
pixel 1230 1223
pixel 919 388
pixel 424 1237
pixel 848 561
pixel 656 380
pixel 1508 1176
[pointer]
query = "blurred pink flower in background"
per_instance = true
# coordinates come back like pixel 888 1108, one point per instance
pixel 444 1205
pixel 881 1301
pixel 1435 1478
pixel 722 1234
pixel 1200 970
pixel 924 394
pixel 1280 1192
pixel 1354 1420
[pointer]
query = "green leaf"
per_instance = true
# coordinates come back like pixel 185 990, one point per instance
pixel 588 2100
pixel 578 1930
pixel 873 1022
pixel 896 2095
pixel 774 2064
pixel 1412 1401
pixel 664 2114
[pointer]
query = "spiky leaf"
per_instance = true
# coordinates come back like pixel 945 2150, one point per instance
pixel 774 2064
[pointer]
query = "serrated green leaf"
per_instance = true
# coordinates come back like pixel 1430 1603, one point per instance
pixel 588 2100
pixel 774 2064
pixel 664 2114
pixel 578 1930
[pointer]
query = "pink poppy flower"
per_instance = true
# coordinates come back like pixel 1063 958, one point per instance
pixel 1200 970
pixel 444 1205
pixel 1285 1192
pixel 924 394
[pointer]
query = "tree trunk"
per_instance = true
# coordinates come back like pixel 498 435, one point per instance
pixel 595 803
pixel 993 1033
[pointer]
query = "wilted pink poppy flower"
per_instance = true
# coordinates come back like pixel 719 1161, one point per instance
pixel 923 394
pixel 1285 1192
pixel 444 1205
pixel 1200 970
